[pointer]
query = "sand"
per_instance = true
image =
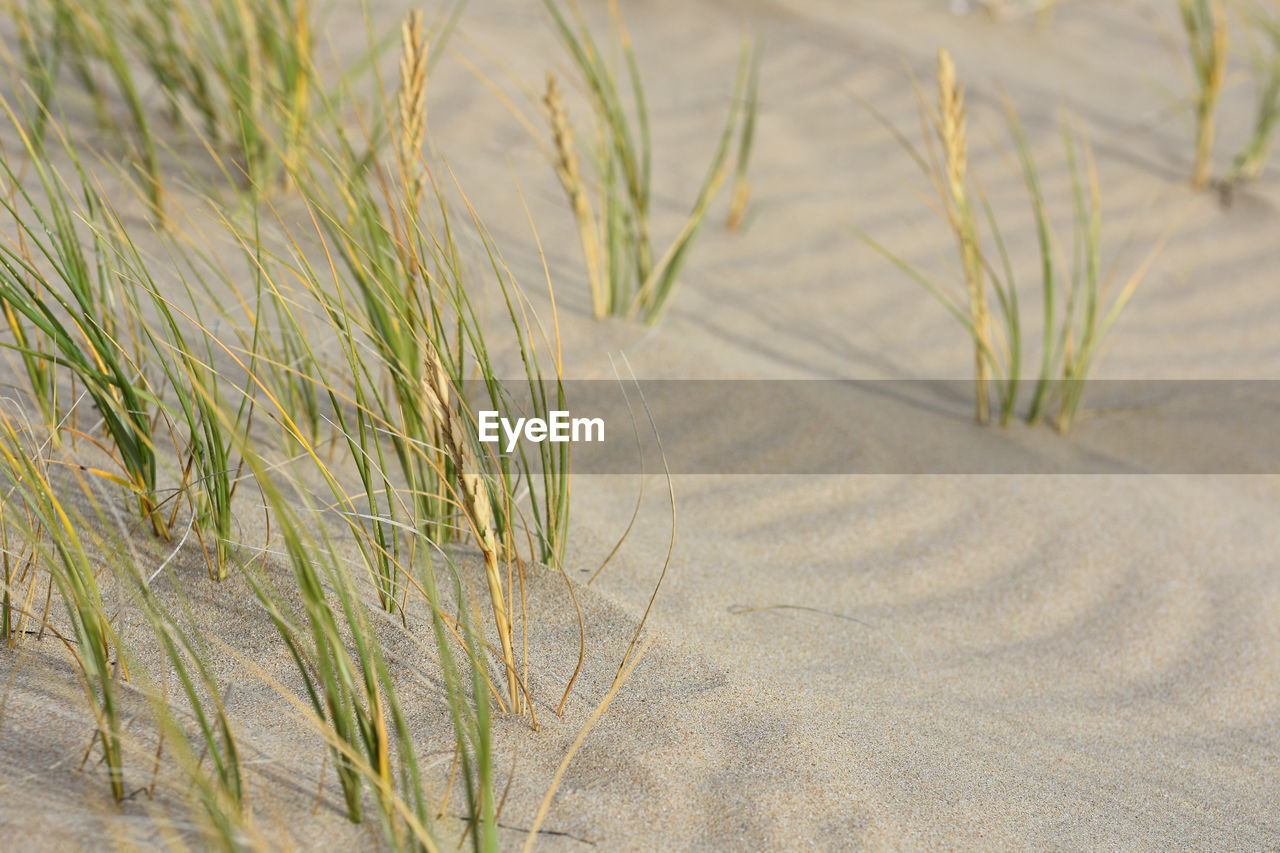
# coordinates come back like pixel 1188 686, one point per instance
pixel 840 662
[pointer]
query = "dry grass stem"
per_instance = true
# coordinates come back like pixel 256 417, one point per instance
pixel 952 133
pixel 476 503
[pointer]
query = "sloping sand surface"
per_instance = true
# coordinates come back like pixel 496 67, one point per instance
pixel 880 662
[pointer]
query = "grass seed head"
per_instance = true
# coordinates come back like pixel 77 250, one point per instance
pixel 570 174
pixel 952 124
pixel 413 100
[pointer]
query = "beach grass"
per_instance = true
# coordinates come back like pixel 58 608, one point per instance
pixel 1080 300
pixel 1263 27
pixel 210 757
pixel 183 349
pixel 407 296
pixel 944 161
pixel 37 515
pixel 951 127
pixel 626 274
pixel 58 289
pixel 337 650
pixel 1205 24
pixel 239 72
pixel 746 142
pixel 142 335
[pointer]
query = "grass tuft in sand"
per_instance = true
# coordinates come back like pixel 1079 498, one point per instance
pixel 1081 302
pixel 627 277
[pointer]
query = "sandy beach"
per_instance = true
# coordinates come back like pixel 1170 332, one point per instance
pixel 851 661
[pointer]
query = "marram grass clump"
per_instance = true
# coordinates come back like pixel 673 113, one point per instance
pixel 239 72
pixel 1264 30
pixel 1207 25
pixel 626 275
pixel 1081 303
pixel 334 347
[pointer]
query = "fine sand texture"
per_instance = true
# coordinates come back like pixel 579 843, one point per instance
pixel 837 662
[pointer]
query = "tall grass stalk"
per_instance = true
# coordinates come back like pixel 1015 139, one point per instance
pixel 1205 23
pixel 426 343
pixel 945 164
pixel 347 679
pixel 951 128
pixel 1252 158
pixel 746 141
pixel 1092 303
pixel 346 693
